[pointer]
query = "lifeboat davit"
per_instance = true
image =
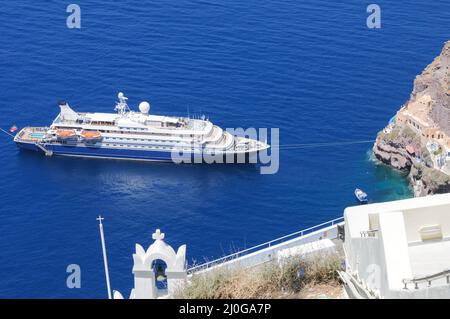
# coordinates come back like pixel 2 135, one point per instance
pixel 66 134
pixel 91 136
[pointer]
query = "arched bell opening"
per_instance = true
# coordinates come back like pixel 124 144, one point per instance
pixel 159 268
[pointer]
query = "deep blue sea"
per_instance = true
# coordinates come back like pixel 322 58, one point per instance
pixel 311 68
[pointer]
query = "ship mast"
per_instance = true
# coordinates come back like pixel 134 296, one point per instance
pixel 122 106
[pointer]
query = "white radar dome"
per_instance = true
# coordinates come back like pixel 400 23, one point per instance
pixel 144 107
pixel 121 96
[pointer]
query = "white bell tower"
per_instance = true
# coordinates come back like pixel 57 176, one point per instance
pixel 145 286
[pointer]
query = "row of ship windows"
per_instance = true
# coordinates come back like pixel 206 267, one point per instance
pixel 142 146
pixel 135 146
pixel 108 123
pixel 141 131
pixel 138 139
pixel 133 128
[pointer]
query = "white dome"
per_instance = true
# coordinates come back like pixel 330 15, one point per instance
pixel 144 107
pixel 121 96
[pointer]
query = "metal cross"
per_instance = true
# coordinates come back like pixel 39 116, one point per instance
pixel 100 218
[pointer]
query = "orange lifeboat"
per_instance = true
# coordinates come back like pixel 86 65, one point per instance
pixel 66 134
pixel 91 136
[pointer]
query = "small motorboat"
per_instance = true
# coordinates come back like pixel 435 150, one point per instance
pixel 361 195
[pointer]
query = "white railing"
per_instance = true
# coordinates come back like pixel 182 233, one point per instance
pixel 369 233
pixel 428 279
pixel 264 245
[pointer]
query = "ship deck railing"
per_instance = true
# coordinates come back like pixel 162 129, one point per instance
pixel 24 134
pixel 267 245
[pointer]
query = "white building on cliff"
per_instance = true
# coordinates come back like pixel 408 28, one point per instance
pixel 399 249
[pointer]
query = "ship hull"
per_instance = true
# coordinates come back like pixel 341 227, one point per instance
pixel 28 146
pixel 136 155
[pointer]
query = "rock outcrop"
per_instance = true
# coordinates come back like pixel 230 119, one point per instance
pixel 435 82
pixel 403 143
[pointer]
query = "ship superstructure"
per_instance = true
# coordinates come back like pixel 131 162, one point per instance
pixel 135 135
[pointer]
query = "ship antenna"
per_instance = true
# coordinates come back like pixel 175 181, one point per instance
pixel 105 259
pixel 122 106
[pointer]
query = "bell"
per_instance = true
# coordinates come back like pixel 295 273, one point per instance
pixel 160 275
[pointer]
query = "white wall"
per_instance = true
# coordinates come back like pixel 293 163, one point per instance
pixel 382 262
pixel 395 247
pixel 417 218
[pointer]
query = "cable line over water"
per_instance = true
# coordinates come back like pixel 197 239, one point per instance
pixel 288 146
pixel 7 133
pixel 322 144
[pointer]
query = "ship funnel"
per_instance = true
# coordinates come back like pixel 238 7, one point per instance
pixel 66 113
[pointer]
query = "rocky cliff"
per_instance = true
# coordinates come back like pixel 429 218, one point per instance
pixel 404 148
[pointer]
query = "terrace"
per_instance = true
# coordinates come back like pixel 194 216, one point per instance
pixel 406 242
pixel 32 134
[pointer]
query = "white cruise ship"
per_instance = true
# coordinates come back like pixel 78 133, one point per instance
pixel 137 136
